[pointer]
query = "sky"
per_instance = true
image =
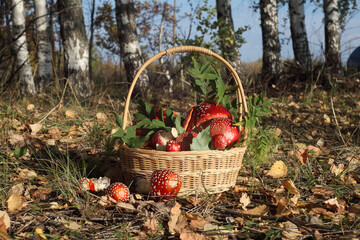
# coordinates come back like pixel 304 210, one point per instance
pixel 243 14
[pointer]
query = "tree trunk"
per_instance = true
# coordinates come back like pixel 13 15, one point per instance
pixel 229 48
pixel 298 33
pixel 270 37
pixel 43 73
pixel 76 46
pixel 27 84
pixel 332 35
pixel 91 38
pixel 129 44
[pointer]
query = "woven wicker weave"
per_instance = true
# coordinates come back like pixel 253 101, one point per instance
pixel 212 170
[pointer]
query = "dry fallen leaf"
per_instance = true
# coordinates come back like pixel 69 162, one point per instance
pixel 4 225
pixel 14 203
pixel 244 201
pixel 336 204
pixel 151 226
pixel 303 155
pixel 262 210
pixel 35 128
pixel 278 170
pixel 189 235
pixel 30 107
pixel 70 224
pixel 289 186
pixel 70 114
pixel 177 221
pixel 291 231
pixel 40 233
pixel 283 207
pixel 101 116
pixel 28 174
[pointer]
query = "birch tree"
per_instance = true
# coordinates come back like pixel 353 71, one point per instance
pixel 298 33
pixel 270 37
pixel 44 49
pixel 27 84
pixel 332 35
pixel 129 45
pixel 229 48
pixel 76 46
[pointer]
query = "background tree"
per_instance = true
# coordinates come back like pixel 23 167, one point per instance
pixel 270 37
pixel 228 44
pixel 332 35
pixel 27 84
pixel 44 50
pixel 76 46
pixel 129 44
pixel 298 33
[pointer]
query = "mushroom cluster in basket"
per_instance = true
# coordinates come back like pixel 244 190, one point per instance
pixel 223 130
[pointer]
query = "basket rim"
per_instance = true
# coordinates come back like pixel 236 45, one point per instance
pixel 184 153
pixel 181 49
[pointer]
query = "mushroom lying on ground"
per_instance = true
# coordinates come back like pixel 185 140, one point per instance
pixel 164 184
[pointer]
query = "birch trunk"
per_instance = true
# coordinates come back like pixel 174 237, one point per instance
pixel 129 44
pixel 76 46
pixel 27 84
pixel 44 49
pixel 332 35
pixel 229 48
pixel 270 37
pixel 298 33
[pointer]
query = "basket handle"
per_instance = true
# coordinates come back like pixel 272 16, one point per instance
pixel 182 49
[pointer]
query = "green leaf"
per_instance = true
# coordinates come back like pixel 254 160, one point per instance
pixel 202 141
pixel 119 133
pixel 178 126
pixel 20 151
pixel 119 120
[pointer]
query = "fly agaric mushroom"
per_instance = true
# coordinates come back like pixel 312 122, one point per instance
pixel 161 138
pixel 173 146
pixel 223 132
pixel 204 112
pixel 119 191
pixel 164 184
pixel 87 184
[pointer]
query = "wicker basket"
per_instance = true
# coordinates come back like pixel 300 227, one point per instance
pixel 211 170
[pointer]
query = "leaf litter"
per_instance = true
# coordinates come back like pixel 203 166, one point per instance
pixel 308 188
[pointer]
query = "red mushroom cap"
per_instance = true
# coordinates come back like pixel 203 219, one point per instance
pixel 219 141
pixel 119 191
pixel 164 184
pixel 204 112
pixel 173 146
pixel 224 127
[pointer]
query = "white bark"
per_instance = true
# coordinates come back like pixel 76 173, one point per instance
pixel 332 34
pixel 270 37
pixel 76 47
pixel 44 46
pixel 129 43
pixel 26 78
pixel 166 70
pixel 298 33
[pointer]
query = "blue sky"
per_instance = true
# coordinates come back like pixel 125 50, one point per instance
pixel 243 14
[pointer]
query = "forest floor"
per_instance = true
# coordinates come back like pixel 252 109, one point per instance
pixel 314 192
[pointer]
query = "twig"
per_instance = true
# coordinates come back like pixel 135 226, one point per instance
pixel 61 99
pixel 336 121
